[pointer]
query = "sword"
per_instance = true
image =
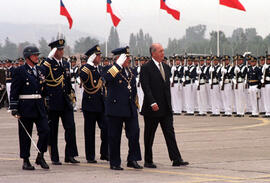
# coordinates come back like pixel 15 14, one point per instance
pixel 33 142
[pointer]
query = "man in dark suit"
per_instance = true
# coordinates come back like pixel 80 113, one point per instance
pixel 93 105
pixel 120 107
pixel 157 108
pixel 27 104
pixel 60 102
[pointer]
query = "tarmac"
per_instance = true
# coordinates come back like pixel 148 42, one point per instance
pixel 219 149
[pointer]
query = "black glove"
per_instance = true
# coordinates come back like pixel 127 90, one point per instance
pixel 15 113
pixel 259 86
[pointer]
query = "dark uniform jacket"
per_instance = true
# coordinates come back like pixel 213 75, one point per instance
pixel 58 85
pixel 92 83
pixel 243 72
pixel 121 97
pixel 9 74
pixel 24 82
pixel 254 75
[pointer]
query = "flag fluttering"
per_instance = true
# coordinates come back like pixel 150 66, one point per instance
pixel 64 12
pixel 174 13
pixel 232 4
pixel 115 19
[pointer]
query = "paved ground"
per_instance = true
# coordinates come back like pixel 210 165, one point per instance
pixel 218 149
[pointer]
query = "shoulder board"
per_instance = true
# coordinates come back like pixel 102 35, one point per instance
pixel 47 64
pixel 85 69
pixel 113 71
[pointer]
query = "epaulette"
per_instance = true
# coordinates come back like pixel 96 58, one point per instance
pixel 85 69
pixel 47 64
pixel 113 71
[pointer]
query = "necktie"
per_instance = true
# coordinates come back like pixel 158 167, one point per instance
pixel 34 71
pixel 60 63
pixel 162 71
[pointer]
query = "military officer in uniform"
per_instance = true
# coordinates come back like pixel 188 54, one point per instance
pixel 175 87
pixel 75 81
pixel 120 107
pixel 240 72
pixel 93 105
pixel 226 74
pixel 262 96
pixel 2 84
pixel 266 83
pixel 60 102
pixel 9 73
pixel 254 76
pixel 188 80
pixel 201 89
pixel 214 83
pixel 27 104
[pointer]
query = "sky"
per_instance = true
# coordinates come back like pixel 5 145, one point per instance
pixel 90 16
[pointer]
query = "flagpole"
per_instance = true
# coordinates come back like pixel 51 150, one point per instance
pixel 218 28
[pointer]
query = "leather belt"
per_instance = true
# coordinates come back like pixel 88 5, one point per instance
pixel 32 96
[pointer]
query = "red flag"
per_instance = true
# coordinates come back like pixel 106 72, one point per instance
pixel 115 19
pixel 232 4
pixel 64 12
pixel 174 13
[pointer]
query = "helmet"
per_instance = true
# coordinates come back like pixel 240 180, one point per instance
pixel 30 50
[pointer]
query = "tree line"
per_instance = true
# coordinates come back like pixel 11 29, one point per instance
pixel 194 41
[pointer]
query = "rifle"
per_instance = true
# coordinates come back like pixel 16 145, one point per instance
pixel 236 85
pixel 246 78
pixel 173 66
pixel 199 77
pixel 264 71
pixel 223 77
pixel 211 75
pixel 185 64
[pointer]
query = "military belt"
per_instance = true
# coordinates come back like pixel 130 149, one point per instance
pixel 32 96
pixel 253 81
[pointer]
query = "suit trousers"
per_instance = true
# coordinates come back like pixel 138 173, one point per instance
pixel 132 130
pixel 90 119
pixel 25 141
pixel 67 117
pixel 150 127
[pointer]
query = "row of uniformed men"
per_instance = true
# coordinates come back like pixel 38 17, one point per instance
pixel 215 85
pixel 51 80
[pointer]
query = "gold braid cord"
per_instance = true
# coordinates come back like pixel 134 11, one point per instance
pixel 95 88
pixel 54 82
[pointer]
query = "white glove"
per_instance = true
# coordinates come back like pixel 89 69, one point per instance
pixel 91 59
pixel 211 69
pixel 199 71
pixel 262 81
pixel 265 66
pixel 52 53
pixel 210 82
pixel 234 81
pixel 185 68
pixel 120 61
pixel 223 70
pixel 236 70
pixel 196 83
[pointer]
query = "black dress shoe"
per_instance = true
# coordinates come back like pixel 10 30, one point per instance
pixel 106 158
pixel 92 161
pixel 214 115
pixel 254 116
pixel 189 114
pixel 229 115
pixel 27 165
pixel 180 163
pixel 134 164
pixel 203 115
pixel 41 161
pixel 224 115
pixel 71 160
pixel 150 165
pixel 266 116
pixel 56 163
pixel 117 168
